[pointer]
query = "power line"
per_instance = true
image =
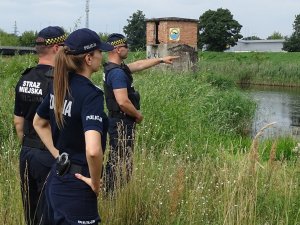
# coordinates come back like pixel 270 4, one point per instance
pixel 87 9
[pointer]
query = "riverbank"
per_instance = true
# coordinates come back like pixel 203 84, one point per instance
pixel 259 68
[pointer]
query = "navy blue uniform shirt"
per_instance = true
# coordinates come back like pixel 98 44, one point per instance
pixel 83 111
pixel 30 93
pixel 118 79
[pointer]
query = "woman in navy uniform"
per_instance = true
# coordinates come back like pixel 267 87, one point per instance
pixel 72 124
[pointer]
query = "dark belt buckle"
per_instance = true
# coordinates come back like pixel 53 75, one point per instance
pixel 62 164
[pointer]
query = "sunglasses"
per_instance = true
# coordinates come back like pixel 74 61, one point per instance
pixel 120 46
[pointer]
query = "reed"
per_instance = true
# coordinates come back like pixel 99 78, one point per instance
pixel 281 69
pixel 175 189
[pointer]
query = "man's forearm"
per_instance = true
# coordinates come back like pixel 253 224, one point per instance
pixel 147 63
pixel 20 133
pixel 143 64
pixel 43 129
pixel 128 108
pixel 19 125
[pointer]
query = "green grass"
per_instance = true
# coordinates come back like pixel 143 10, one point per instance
pixel 256 68
pixel 194 162
pixel 10 193
pixel 222 190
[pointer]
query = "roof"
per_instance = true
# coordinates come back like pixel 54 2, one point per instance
pixel 262 41
pixel 171 19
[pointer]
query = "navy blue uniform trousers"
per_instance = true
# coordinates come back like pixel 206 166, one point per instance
pixel 118 170
pixel 71 200
pixel 35 165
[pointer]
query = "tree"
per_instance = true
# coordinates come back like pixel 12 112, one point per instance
pixel 28 38
pixel 275 36
pixel 218 30
pixel 136 31
pixel 292 44
pixel 8 39
pixel 103 36
pixel 251 38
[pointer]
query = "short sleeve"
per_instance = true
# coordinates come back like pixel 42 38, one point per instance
pixel 17 110
pixel 117 79
pixel 92 112
pixel 44 108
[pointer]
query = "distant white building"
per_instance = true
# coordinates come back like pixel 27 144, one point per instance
pixel 257 46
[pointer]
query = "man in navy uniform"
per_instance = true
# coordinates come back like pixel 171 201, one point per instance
pixel 123 104
pixel 35 159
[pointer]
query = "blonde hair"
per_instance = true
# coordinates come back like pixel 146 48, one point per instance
pixel 64 64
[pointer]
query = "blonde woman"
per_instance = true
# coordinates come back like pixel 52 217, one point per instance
pixel 72 124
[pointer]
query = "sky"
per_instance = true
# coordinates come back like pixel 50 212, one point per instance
pixel 258 17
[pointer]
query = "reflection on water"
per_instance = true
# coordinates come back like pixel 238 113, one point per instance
pixel 276 104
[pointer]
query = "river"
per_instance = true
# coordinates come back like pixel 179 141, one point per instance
pixel 276 104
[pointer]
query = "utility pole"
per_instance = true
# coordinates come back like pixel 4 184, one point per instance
pixel 15 29
pixel 87 9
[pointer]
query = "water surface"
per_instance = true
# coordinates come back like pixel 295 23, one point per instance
pixel 276 104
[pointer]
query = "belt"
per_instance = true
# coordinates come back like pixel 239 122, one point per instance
pixel 33 143
pixel 75 169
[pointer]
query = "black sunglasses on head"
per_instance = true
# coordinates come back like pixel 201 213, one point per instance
pixel 120 46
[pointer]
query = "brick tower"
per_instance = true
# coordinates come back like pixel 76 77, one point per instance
pixel 173 36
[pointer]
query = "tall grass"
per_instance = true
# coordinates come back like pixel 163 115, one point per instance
pixel 10 72
pixel 229 189
pixel 188 111
pixel 193 162
pixel 172 188
pixel 256 68
pixel 10 193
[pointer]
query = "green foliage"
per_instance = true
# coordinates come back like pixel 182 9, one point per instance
pixel 230 111
pixel 218 30
pixel 10 72
pixel 283 148
pixel 219 81
pixel 252 38
pixel 8 39
pixel 211 190
pixel 28 38
pixel 136 31
pixel 292 44
pixel 168 188
pixel 103 36
pixel 256 68
pixel 275 36
pixel 187 111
